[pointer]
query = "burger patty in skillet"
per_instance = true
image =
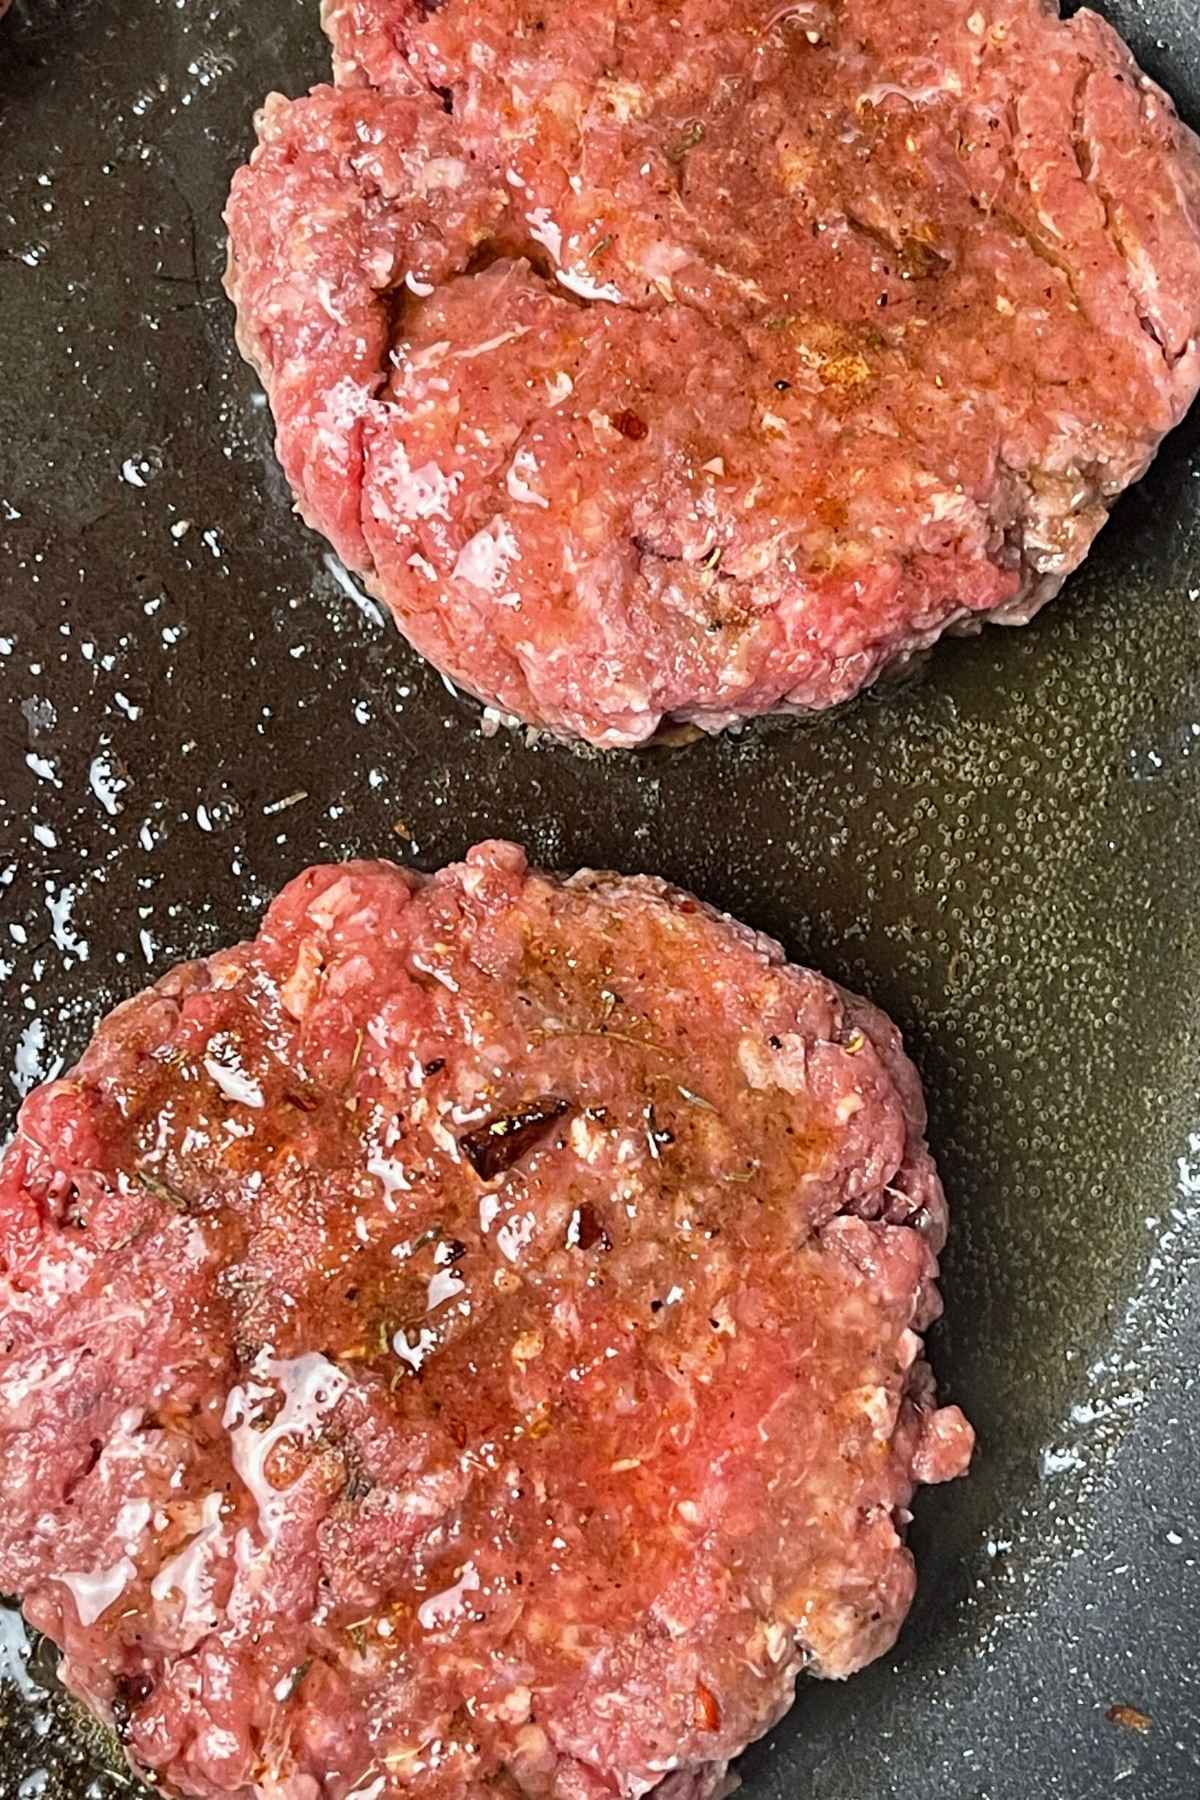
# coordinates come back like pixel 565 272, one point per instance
pixel 466 1341
pixel 694 361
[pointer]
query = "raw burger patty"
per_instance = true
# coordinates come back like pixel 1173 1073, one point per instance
pixel 695 360
pixel 466 1341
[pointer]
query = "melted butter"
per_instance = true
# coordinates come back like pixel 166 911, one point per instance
pixel 311 1387
pixel 414 1354
pixel 189 1576
pixel 390 1172
pixel 451 1604
pixel 132 1521
pixel 234 1083
pixel 95 1590
pixel 15 1651
pixel 444 1285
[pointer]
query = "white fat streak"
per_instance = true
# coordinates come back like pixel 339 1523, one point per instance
pixel 235 1084
pixel 586 1141
pixel 427 357
pixel 442 1609
pixel 325 296
pixel 195 1247
pixel 523 464
pixel 311 1387
pixel 442 975
pixel 485 559
pixel 515 1233
pixel 423 493
pixel 368 1793
pixel 916 96
pixel 544 229
pixel 326 909
pixel 493 343
pixel 489 1209
pixel 580 282
pixel 444 1139
pixel 346 401
pixel 94 1591
pixel 38 1375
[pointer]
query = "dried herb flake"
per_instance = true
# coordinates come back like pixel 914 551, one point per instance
pixel 692 134
pixel 161 1190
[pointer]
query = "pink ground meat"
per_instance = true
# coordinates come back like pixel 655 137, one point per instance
pixel 699 360
pixel 467 1341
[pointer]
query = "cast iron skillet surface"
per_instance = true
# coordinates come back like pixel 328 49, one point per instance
pixel 1004 855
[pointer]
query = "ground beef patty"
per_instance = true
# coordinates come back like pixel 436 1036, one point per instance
pixel 700 359
pixel 466 1341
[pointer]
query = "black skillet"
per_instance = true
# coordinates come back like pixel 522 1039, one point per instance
pixel 1005 855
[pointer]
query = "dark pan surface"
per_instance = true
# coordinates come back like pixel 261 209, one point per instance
pixel 1004 855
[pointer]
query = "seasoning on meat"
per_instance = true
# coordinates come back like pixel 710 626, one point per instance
pixel 706 358
pixel 162 1190
pixel 365 1477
